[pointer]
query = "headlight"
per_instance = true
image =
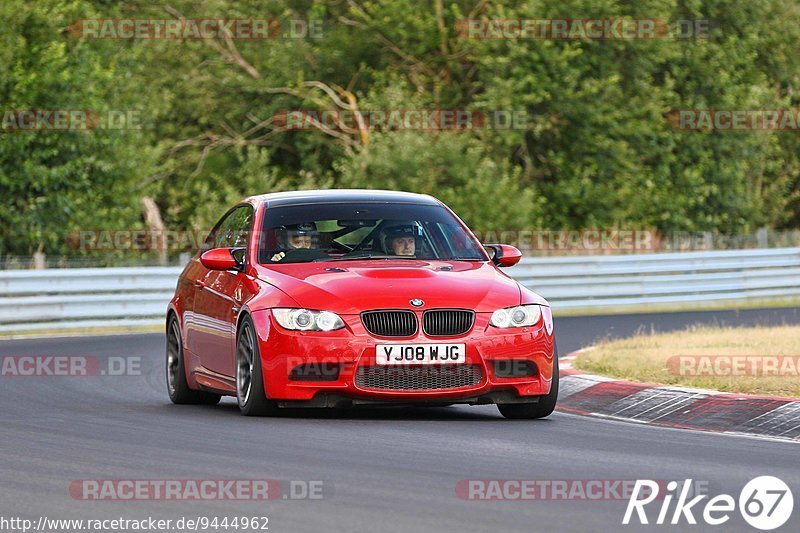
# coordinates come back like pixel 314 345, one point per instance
pixel 516 317
pixel 305 320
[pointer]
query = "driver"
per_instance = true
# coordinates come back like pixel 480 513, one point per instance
pixel 401 239
pixel 294 237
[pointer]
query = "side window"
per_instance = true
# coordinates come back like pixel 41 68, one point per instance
pixel 457 241
pixel 238 233
pixel 233 231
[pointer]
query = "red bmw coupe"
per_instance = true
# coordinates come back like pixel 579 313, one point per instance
pixel 354 297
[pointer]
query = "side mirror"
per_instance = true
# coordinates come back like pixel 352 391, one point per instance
pixel 503 255
pixel 223 259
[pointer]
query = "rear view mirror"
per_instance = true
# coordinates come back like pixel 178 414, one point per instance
pixel 223 259
pixel 357 223
pixel 503 255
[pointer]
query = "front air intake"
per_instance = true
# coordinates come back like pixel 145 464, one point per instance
pixel 412 378
pixel 315 372
pixel 397 323
pixel 514 368
pixel 447 322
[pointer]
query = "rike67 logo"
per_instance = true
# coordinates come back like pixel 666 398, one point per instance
pixel 765 503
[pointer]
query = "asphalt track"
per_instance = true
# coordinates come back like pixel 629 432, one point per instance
pixel 386 470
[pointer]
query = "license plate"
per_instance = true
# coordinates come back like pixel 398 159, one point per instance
pixel 420 354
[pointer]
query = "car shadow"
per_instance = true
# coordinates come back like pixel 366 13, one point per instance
pixel 378 413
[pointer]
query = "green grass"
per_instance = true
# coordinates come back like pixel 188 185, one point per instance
pixel 88 332
pixel 671 359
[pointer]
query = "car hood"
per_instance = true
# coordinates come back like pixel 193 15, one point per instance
pixel 350 287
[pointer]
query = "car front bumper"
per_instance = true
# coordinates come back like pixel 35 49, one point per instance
pixel 339 356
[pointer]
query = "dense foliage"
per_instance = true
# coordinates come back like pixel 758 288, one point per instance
pixel 597 149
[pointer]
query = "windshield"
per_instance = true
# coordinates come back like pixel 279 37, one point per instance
pixel 349 231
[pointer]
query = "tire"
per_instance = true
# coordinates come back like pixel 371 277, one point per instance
pixel 177 387
pixel 250 394
pixel 545 406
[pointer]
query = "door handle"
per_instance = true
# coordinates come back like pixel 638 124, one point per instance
pixel 199 284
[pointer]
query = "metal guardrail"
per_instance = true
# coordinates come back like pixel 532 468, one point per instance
pixel 625 280
pixel 96 297
pixel 85 297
